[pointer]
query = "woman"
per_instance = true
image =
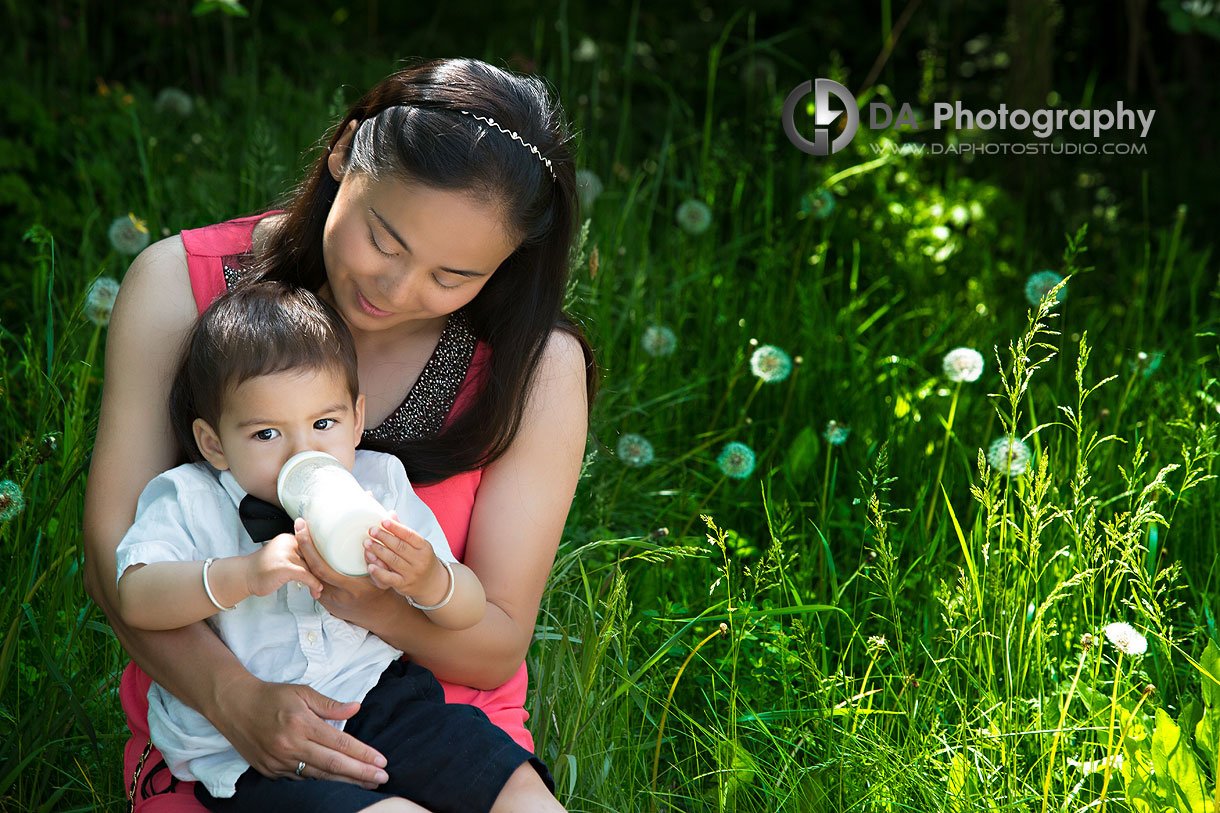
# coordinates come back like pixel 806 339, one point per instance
pixel 438 224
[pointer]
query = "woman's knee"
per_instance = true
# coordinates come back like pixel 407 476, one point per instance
pixel 525 792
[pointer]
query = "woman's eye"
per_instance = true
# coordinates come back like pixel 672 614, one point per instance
pixel 437 280
pixel 373 240
pixel 265 434
pixel 322 424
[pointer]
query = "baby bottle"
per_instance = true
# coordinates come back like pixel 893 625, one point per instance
pixel 317 487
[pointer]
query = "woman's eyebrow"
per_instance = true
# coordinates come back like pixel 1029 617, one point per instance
pixel 403 243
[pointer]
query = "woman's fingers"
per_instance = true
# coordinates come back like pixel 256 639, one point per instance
pixel 275 726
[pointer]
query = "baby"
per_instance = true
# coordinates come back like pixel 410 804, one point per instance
pixel 270 371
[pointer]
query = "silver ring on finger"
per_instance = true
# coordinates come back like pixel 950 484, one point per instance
pixel 300 767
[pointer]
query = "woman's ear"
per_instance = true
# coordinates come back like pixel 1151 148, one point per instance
pixel 208 443
pixel 336 162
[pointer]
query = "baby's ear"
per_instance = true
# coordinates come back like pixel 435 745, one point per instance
pixel 359 406
pixel 208 442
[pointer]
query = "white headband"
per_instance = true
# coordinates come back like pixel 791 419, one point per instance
pixel 513 134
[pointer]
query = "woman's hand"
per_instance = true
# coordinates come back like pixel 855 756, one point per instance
pixel 351 598
pixel 276 726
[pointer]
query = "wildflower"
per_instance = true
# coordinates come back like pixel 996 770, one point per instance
pixel 770 364
pixel 11 500
pixel 658 340
pixel 1038 284
pixel 1008 455
pixel 820 204
pixel 1087 641
pixel 99 302
pixel 173 100
pixel 963 364
pixel 586 51
pixel 876 643
pixel 634 450
pixel 129 234
pixel 588 187
pixel 694 216
pixel 836 433
pixel 736 460
pixel 1125 638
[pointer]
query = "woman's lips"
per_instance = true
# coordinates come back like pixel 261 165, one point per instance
pixel 369 307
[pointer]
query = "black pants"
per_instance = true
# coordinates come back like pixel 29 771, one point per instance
pixel 443 756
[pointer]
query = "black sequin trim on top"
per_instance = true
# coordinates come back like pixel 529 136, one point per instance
pixel 428 403
pixel 423 411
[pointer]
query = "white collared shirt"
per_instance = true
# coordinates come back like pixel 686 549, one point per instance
pixel 190 514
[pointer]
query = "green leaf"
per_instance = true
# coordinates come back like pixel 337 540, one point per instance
pixel 1207 731
pixel 802 454
pixel 1173 758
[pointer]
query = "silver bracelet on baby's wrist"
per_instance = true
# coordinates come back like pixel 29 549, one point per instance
pixel 445 600
pixel 207 588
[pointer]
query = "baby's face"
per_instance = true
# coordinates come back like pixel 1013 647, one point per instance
pixel 270 418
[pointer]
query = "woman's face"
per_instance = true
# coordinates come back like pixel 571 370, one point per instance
pixel 399 254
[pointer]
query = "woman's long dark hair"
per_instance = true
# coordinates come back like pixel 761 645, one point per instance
pixel 409 126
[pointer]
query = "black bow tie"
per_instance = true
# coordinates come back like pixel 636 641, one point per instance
pixel 263 520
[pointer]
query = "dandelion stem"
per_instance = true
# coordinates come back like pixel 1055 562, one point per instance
pixel 943 453
pixel 826 485
pixel 656 757
pixel 699 510
pixel 1105 783
pixel 1050 763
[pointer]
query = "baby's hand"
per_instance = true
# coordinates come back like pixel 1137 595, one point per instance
pixel 404 561
pixel 278 562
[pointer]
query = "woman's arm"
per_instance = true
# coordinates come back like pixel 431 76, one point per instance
pixel 265 722
pixel 518 518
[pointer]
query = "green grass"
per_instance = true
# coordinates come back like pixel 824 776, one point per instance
pixel 887 624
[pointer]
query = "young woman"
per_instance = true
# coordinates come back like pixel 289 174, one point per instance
pixel 438 224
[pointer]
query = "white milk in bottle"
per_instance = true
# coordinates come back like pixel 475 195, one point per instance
pixel 317 487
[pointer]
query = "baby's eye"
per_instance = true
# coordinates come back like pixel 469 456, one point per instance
pixel 266 434
pixel 323 424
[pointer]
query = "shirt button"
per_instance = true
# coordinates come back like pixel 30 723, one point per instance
pixel 312 637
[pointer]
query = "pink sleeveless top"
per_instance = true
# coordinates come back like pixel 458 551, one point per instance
pixel 451 500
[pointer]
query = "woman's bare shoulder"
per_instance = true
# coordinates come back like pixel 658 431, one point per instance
pixel 158 284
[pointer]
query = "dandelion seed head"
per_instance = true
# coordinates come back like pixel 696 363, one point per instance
pixel 174 100
pixel 736 460
pixel 1125 638
pixel 586 51
pixel 819 203
pixel 1038 284
pixel 1147 363
pixel 1008 455
pixel 658 340
pixel 694 216
pixel 588 187
pixel 836 433
pixel 770 364
pixel 1087 641
pixel 759 73
pixel 128 234
pixel 11 500
pixel 634 450
pixel 963 364
pixel 99 302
